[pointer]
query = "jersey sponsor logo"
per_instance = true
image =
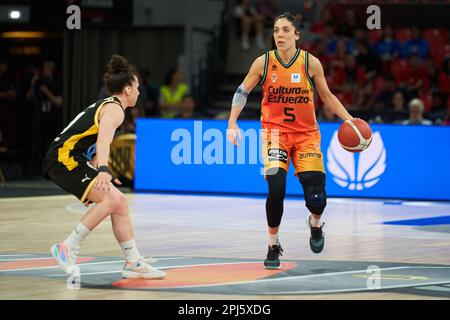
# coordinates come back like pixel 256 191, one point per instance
pixel 274 77
pixel 295 77
pixel 288 95
pixel 360 171
pixel 287 90
pixel 277 154
pixel 86 178
pixel 310 155
pixel 90 152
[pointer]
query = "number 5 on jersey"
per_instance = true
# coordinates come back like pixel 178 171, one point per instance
pixel 289 113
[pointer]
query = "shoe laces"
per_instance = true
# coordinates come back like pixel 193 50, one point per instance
pixel 73 254
pixel 316 232
pixel 276 250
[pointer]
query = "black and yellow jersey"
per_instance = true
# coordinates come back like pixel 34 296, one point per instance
pixel 77 142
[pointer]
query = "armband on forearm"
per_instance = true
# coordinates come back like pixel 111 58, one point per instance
pixel 240 97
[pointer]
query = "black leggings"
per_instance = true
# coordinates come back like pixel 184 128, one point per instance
pixel 275 198
pixel 313 183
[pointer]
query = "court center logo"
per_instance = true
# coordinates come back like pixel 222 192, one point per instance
pixel 358 171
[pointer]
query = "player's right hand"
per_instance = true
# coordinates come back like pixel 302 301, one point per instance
pixel 233 133
pixel 103 182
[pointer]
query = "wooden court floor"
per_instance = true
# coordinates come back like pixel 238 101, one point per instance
pixel 212 247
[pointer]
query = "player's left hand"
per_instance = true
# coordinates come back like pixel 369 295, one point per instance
pixel 103 182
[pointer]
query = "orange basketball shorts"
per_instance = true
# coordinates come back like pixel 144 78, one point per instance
pixel 302 147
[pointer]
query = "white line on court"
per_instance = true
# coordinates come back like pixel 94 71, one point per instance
pixel 61 197
pixel 166 267
pixel 18 255
pixel 84 264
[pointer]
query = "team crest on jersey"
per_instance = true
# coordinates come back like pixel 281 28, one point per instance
pixel 274 77
pixel 295 77
pixel 274 67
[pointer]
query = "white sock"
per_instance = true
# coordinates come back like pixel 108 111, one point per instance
pixel 78 234
pixel 130 250
pixel 273 239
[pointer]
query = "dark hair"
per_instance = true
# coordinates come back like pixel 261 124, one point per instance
pixel 119 74
pixel 295 20
pixel 169 76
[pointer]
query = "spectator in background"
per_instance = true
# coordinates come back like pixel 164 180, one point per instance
pixel 338 58
pixel 348 27
pixel 249 18
pixel 7 107
pixel 364 98
pixel 416 45
pixel 446 121
pixel 330 39
pixel 46 93
pixel 432 74
pixel 385 96
pixel 398 102
pixel 416 110
pixel 326 20
pixel 30 121
pixel 268 9
pixel 418 79
pixel 367 58
pixel 151 108
pixel 172 93
pixel 187 106
pixel 444 78
pixel 388 48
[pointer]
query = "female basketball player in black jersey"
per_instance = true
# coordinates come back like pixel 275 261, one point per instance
pixel 77 161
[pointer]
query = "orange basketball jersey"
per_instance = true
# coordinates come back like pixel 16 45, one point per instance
pixel 288 95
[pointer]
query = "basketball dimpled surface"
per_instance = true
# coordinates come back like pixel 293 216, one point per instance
pixel 349 138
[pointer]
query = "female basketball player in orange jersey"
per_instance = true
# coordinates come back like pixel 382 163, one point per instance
pixel 288 76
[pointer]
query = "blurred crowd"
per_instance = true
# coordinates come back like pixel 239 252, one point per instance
pixel 31 108
pixel 399 75
pixel 393 75
pixel 387 74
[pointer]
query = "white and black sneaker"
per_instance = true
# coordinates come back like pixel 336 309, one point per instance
pixel 273 257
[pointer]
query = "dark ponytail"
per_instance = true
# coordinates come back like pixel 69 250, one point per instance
pixel 119 74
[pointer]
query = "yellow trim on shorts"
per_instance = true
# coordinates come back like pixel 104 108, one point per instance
pixel 86 191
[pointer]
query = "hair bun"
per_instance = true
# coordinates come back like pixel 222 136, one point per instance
pixel 118 64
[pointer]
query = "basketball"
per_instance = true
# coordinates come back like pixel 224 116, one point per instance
pixel 355 135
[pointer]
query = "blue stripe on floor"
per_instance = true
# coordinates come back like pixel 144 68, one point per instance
pixel 421 222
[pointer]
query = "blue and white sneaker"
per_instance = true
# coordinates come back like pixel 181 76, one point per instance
pixel 66 257
pixel 141 270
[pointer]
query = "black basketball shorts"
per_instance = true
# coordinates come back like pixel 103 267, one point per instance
pixel 78 182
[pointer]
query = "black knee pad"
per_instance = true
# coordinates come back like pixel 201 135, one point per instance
pixel 275 198
pixel 313 183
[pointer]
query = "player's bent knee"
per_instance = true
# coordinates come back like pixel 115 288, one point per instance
pixel 313 183
pixel 117 203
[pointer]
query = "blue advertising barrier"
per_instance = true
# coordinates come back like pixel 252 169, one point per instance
pixel 402 162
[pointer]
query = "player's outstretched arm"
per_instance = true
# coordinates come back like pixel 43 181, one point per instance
pixel 240 98
pixel 328 98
